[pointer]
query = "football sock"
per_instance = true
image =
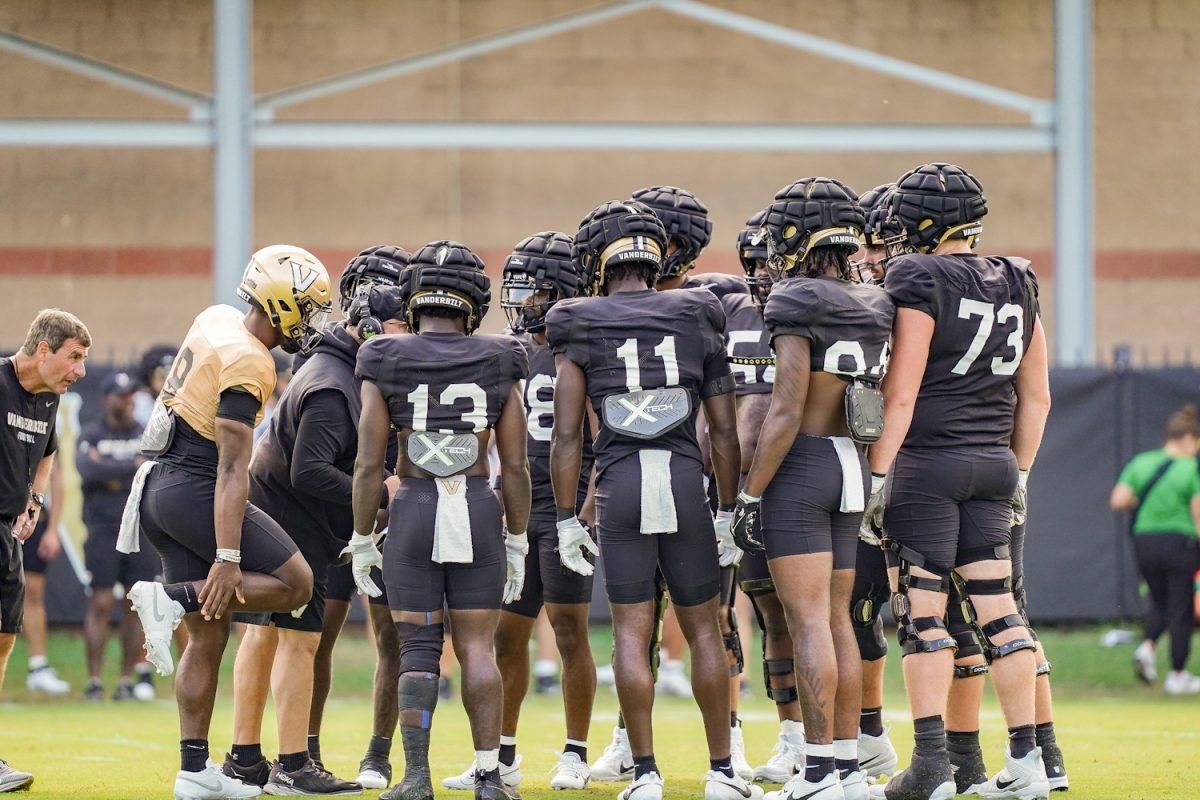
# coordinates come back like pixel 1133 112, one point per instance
pixel 380 747
pixel 818 761
pixel 643 765
pixel 721 765
pixel 962 742
pixel 1021 740
pixel 418 699
pixel 314 746
pixel 578 748
pixel 1044 733
pixel 508 750
pixel 38 662
pixel 247 754
pixel 193 755
pixel 870 721
pixel 185 595
pixel 929 735
pixel 845 755
pixel 291 762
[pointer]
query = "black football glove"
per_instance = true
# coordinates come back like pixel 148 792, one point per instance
pixel 746 530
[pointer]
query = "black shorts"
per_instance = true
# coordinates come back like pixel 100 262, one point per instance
pixel 687 558
pixel 340 585
pixel 177 518
pixel 951 504
pixel 546 579
pixel 108 567
pixel 34 563
pixel 414 582
pixel 12 581
pixel 800 508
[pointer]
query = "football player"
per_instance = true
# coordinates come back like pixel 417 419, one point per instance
pixel 220 553
pixel 968 351
pixel 537 274
pixel 805 493
pixel 300 474
pixel 647 360
pixel 447 392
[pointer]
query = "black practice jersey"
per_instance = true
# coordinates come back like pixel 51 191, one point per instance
pixel 631 341
pixel 749 345
pixel 107 460
pixel 26 437
pixel 719 283
pixel 443 382
pixel 539 407
pixel 847 324
pixel 984 310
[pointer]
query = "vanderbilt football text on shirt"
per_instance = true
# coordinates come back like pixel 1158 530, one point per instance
pixel 27 435
pixel 539 406
pixel 848 325
pixel 749 345
pixel 632 341
pixel 984 310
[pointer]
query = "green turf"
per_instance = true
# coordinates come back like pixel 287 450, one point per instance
pixel 1121 740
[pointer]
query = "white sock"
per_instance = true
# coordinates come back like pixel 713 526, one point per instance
pixel 37 662
pixel 487 760
pixel 545 668
pixel 791 726
pixel 845 749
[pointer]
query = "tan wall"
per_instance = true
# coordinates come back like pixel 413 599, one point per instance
pixel 98 230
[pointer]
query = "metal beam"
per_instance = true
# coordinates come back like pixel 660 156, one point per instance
pixel 1074 285
pixel 267 104
pixel 233 161
pixel 104 133
pixel 1040 111
pixel 196 102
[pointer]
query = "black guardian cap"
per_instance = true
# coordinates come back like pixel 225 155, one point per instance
pixel 686 221
pixel 937 202
pixel 446 275
pixel 540 265
pixel 380 265
pixel 811 213
pixel 618 232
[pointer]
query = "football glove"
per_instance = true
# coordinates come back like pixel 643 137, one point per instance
pixel 728 553
pixel 873 515
pixel 573 539
pixel 1020 500
pixel 516 547
pixel 744 525
pixel 364 554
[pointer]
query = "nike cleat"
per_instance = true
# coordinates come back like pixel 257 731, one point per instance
pixel 719 786
pixel 143 689
pixel 510 776
pixel 1144 668
pixel 1021 779
pixel 416 787
pixel 616 762
pixel 787 757
pixel 374 772
pixel 160 616
pixel 572 772
pixel 925 778
pixel 211 784
pixel 798 788
pixel 970 773
pixel 46 681
pixel 13 780
pixel 647 787
pixel 309 780
pixel 1056 770
pixel 488 788
pixel 737 754
pixel 876 755
pixel 254 774
pixel 854 785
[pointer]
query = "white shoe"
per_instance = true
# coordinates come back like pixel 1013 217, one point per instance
pixel 737 755
pixel 855 786
pixel 647 787
pixel 570 773
pixel 46 681
pixel 616 762
pixel 160 616
pixel 672 681
pixel 1181 682
pixel 13 780
pixel 787 756
pixel 143 688
pixel 510 776
pixel 211 784
pixel 800 789
pixel 605 675
pixel 1144 666
pixel 876 756
pixel 1023 779
pixel 719 786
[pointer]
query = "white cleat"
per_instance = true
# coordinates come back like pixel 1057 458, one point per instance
pixel 1181 682
pixel 830 788
pixel 673 681
pixel 737 755
pixel 1143 663
pixel 46 681
pixel 570 773
pixel 786 757
pixel 160 616
pixel 13 780
pixel 876 755
pixel 647 787
pixel 510 776
pixel 605 675
pixel 855 786
pixel 1021 779
pixel 719 786
pixel 616 762
pixel 211 784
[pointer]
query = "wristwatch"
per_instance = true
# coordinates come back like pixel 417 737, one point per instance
pixel 38 498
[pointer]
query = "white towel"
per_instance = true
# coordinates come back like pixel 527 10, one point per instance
pixel 452 522
pixel 853 499
pixel 658 501
pixel 129 536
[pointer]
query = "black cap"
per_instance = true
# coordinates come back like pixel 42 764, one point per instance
pixel 118 383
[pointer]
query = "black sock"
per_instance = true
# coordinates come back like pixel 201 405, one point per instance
pixel 733 719
pixel 845 766
pixel 929 734
pixel 246 754
pixel 290 762
pixel 380 747
pixel 643 765
pixel 722 765
pixel 508 754
pixel 1044 733
pixel 1021 740
pixel 870 720
pixel 492 775
pixel 577 749
pixel 185 595
pixel 193 754
pixel 817 767
pixel 418 700
pixel 963 742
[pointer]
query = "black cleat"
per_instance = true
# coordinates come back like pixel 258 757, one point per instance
pixel 124 691
pixel 1056 770
pixel 969 770
pixel 410 789
pixel 547 684
pixel 308 780
pixel 252 774
pixel 94 692
pixel 925 778
pixel 488 786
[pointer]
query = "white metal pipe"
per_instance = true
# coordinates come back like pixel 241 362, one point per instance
pixel 104 133
pixel 233 161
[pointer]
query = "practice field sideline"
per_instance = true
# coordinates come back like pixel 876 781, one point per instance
pixel 1120 740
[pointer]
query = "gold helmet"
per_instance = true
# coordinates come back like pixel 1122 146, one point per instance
pixel 292 287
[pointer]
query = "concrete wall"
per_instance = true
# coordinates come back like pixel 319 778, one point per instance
pixel 122 236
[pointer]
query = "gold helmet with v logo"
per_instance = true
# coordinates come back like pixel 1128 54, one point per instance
pixel 292 287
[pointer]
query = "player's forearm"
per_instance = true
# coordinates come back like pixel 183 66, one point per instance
pixel 229 506
pixel 1029 424
pixel 897 417
pixel 566 461
pixel 726 462
pixel 779 431
pixel 368 475
pixel 516 493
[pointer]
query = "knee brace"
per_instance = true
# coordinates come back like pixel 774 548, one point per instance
pixel 733 642
pixel 868 626
pixel 420 647
pixel 757 586
pixel 960 623
pixel 909 627
pixel 970 670
pixel 779 666
pixel 1021 599
pixel 986 632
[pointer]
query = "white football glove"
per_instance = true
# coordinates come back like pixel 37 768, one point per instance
pixel 728 553
pixel 364 554
pixel 573 539
pixel 1020 500
pixel 516 547
pixel 873 515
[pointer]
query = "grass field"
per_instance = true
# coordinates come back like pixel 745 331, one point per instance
pixel 1121 741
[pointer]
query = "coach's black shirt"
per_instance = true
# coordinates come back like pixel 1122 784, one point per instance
pixel 107 460
pixel 26 437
